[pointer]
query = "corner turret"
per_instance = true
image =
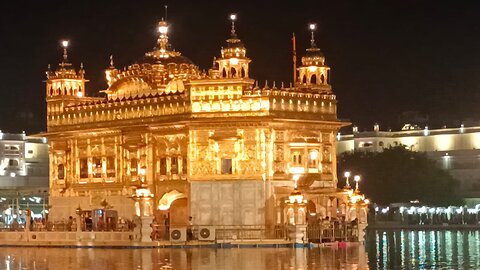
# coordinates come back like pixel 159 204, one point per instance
pixel 313 73
pixel 65 80
pixel 233 62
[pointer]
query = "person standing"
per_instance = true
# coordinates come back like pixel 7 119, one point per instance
pixel 69 223
pixel 167 227
pixel 190 229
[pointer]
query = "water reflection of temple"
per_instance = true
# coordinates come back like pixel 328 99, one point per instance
pixel 213 145
pixel 450 249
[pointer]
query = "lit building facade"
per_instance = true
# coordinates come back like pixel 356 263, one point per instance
pixel 23 175
pixel 455 149
pixel 211 145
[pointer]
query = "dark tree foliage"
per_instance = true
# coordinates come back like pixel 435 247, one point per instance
pixel 399 175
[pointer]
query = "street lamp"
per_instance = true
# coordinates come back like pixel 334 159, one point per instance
pixel 347 175
pixel 357 179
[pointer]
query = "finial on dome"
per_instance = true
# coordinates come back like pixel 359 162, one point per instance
pixel 233 18
pixel 274 84
pixel 111 61
pixel 81 65
pixel 65 53
pixel 313 27
pixel 266 84
pixel 282 85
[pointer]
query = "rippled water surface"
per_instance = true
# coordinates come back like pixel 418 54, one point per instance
pixel 383 250
pixel 423 249
pixel 176 258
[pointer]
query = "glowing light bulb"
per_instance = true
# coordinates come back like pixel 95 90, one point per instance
pixel 347 174
pixel 65 43
pixel 79 94
pixel 312 26
pixel 233 17
pixel 163 29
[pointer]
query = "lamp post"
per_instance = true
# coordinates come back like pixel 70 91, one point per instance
pixel 357 179
pixel 347 182
pixel 143 198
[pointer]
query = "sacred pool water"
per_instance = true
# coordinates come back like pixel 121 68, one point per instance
pixel 382 250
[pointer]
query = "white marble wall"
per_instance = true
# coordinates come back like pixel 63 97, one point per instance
pixel 228 202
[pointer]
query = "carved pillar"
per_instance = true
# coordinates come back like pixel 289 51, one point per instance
pixel 103 159
pixel 76 161
pixel 89 159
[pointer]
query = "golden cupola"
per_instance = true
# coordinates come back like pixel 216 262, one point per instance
pixel 233 62
pixel 65 80
pixel 160 71
pixel 313 73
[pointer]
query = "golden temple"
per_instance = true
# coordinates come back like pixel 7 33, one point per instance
pixel 211 145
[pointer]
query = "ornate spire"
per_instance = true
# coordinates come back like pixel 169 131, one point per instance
pixel 65 80
pixel 314 55
pixel 233 41
pixel 111 62
pixel 313 72
pixel 65 53
pixel 233 17
pixel 234 46
pixel 163 47
pixel 313 27
pixel 163 38
pixel 65 62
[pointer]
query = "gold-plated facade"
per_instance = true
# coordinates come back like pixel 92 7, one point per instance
pixel 226 148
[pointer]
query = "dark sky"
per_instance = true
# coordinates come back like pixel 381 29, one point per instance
pixel 387 56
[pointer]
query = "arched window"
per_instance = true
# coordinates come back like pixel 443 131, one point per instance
pixel 83 168
pixel 304 80
pixel 174 165
pixel 313 79
pixel 243 72
pixel 61 171
pixel 163 166
pixel 13 163
pixel 224 73
pixel 233 72
pixel 322 78
pixel 133 167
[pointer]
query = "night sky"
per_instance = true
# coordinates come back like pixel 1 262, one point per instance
pixel 387 56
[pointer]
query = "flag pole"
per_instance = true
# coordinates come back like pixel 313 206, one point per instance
pixel 294 51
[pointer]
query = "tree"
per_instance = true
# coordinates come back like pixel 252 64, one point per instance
pixel 400 175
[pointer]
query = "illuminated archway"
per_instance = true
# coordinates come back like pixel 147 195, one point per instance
pixel 168 198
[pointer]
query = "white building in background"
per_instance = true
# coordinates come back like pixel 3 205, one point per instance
pixel 455 149
pixel 23 174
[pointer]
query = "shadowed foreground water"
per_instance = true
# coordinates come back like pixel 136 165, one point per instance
pixel 386 250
